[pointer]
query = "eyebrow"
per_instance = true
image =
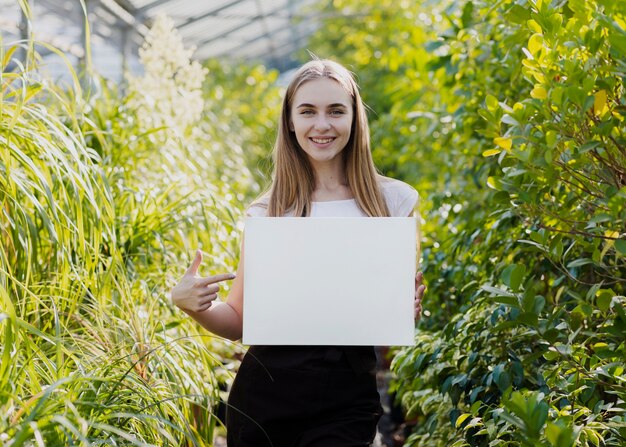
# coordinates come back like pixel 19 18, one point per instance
pixel 336 104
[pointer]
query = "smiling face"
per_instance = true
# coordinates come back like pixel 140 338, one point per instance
pixel 321 118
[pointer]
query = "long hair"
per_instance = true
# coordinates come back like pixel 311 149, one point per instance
pixel 294 177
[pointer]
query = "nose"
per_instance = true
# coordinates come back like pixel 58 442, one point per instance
pixel 322 122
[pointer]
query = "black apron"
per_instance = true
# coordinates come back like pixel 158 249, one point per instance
pixel 304 396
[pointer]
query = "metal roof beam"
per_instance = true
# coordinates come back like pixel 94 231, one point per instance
pixel 209 14
pixel 265 30
pixel 241 26
pixel 283 52
pixel 254 39
pixel 127 5
pixel 294 44
pixel 124 15
pixel 151 5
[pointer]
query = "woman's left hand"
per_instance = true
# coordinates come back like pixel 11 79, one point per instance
pixel 419 294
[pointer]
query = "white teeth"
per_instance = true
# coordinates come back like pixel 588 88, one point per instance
pixel 322 140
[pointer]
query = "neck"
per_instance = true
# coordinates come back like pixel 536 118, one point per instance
pixel 329 175
pixel 330 181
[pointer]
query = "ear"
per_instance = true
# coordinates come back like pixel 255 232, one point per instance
pixel 291 128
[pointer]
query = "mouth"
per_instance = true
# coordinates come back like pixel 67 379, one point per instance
pixel 319 140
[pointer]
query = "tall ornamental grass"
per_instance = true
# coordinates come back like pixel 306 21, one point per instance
pixel 103 202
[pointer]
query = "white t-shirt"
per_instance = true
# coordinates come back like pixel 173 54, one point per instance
pixel 400 197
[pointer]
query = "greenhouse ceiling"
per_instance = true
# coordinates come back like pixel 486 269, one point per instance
pixel 269 31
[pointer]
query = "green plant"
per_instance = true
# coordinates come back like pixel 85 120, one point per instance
pixel 508 118
pixel 100 213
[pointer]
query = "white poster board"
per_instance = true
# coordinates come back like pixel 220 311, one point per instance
pixel 329 281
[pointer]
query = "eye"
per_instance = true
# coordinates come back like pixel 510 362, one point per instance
pixel 306 112
pixel 337 112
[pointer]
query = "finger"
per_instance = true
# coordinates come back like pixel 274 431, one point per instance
pixel 215 279
pixel 209 295
pixel 193 268
pixel 419 278
pixel 419 292
pixel 207 290
pixel 208 299
pixel 418 309
pixel 205 306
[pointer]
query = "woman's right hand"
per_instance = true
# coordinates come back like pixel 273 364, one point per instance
pixel 194 293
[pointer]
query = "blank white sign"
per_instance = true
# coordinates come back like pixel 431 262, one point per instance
pixel 329 281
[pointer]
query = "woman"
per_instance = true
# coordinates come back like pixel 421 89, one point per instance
pixel 306 395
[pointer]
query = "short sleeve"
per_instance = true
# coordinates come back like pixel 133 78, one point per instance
pixel 258 208
pixel 402 199
pixel 407 202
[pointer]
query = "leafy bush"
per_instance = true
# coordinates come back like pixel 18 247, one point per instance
pixel 509 119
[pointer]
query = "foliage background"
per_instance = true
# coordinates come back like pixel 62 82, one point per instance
pixel 507 116
pixel 105 194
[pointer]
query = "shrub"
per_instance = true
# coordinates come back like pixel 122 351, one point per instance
pixel 511 127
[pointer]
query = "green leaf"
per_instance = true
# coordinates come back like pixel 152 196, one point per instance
pixel 539 92
pixel 600 346
pixel 620 246
pixel 564 349
pixel 490 152
pixel 551 355
pixel 508 119
pixel 535 43
pixel 600 102
pixel 551 138
pixel 518 14
pixel 604 298
pixel 508 300
pixel 583 309
pixel 533 25
pixel 551 335
pixel 474 395
pixel 538 304
pixel 559 434
pixel 617 37
pixel 589 146
pixel 504 381
pixel 513 275
pixel 497 291
pixel 504 142
pixel 592 436
pixel 475 407
pixel 589 102
pixel 494 183
pixel 461 419
pixel 579 262
pixel 539 236
pixel 492 103
pixel 502 197
pixel 539 415
pixel 467 16
pixel 602 217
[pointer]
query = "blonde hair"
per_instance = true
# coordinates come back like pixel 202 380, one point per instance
pixel 294 178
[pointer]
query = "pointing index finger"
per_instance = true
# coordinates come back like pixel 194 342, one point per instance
pixel 217 278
